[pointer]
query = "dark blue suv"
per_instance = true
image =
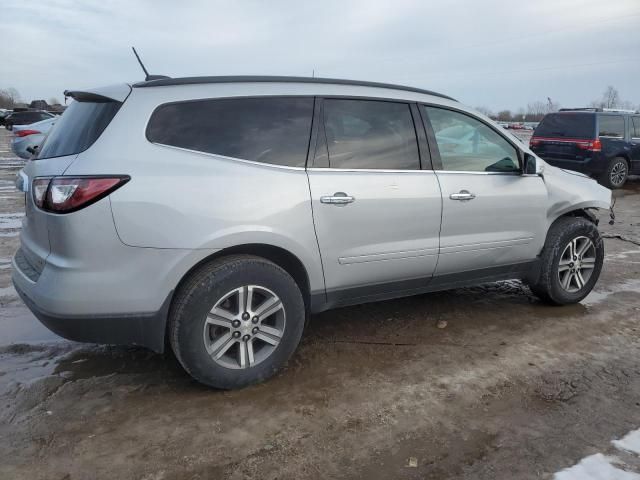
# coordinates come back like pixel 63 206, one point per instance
pixel 602 143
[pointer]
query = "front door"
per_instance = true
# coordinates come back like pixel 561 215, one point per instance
pixel 376 213
pixel 493 217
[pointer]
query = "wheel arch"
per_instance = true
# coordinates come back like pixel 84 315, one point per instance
pixel 278 255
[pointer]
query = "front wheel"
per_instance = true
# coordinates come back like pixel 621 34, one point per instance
pixel 570 263
pixel 236 321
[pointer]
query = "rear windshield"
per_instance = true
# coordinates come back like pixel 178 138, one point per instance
pixel 572 125
pixel 79 126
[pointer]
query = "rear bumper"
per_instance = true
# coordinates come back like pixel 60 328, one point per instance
pixel 144 329
pixel 591 166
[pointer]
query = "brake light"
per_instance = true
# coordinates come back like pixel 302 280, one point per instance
pixel 534 142
pixel 590 145
pixel 68 194
pixel 24 133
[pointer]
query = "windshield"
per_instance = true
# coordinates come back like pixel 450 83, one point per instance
pixel 571 125
pixel 78 128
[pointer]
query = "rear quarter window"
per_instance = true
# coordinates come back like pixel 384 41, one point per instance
pixel 271 130
pixel 569 125
pixel 78 128
pixel 611 126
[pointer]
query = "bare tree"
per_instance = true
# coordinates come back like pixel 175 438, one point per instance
pixel 53 101
pixel 505 116
pixel 485 111
pixel 610 97
pixel 9 98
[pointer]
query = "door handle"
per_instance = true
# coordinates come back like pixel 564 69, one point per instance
pixel 338 198
pixel 462 195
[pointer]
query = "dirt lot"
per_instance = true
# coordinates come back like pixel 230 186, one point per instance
pixel 510 389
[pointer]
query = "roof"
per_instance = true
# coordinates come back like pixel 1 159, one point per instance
pixel 164 82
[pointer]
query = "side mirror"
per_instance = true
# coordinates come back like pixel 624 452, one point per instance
pixel 529 164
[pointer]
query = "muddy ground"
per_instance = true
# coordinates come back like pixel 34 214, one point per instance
pixel 510 389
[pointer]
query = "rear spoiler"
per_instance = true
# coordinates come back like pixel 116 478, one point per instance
pixel 113 93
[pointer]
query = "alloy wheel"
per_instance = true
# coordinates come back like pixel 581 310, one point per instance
pixel 577 262
pixel 244 327
pixel 618 173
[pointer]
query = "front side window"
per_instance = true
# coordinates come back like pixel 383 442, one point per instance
pixel 271 130
pixel 370 134
pixel 466 144
pixel 611 126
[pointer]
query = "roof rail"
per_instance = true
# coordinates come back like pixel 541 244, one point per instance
pixel 279 79
pixel 581 109
pixel 618 110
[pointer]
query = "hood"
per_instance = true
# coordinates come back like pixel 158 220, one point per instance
pixel 570 190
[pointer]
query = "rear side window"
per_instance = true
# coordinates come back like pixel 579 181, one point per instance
pixel 78 128
pixel 611 126
pixel 271 130
pixel 570 125
pixel 369 134
pixel 635 127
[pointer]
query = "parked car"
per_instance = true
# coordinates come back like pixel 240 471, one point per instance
pixel 25 118
pixel 4 113
pixel 27 138
pixel 241 205
pixel 603 144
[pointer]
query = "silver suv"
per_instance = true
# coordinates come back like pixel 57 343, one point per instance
pixel 215 214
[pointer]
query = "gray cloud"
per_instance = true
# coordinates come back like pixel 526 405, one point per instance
pixel 493 53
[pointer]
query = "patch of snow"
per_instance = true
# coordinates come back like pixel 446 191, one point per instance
pixel 8 291
pixel 595 467
pixel 630 442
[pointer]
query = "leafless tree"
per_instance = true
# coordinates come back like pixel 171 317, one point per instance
pixel 485 111
pixel 505 116
pixel 53 101
pixel 9 98
pixel 611 97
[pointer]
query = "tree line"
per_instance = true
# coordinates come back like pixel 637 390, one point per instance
pixel 10 99
pixel 534 111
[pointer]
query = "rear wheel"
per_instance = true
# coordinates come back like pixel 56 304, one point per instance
pixel 616 174
pixel 571 261
pixel 236 321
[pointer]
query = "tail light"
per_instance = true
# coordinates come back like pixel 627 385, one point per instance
pixel 591 145
pixel 534 142
pixel 68 194
pixel 25 133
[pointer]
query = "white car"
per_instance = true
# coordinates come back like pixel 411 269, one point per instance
pixel 26 138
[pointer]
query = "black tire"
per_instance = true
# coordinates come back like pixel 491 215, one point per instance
pixel 616 173
pixel 201 292
pixel 548 285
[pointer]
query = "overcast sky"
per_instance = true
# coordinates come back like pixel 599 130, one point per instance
pixel 498 54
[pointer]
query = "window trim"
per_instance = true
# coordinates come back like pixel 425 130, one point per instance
pixel 423 163
pixel 253 162
pixel 435 151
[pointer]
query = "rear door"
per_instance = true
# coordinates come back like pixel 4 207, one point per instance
pixel 493 216
pixel 376 212
pixel 611 131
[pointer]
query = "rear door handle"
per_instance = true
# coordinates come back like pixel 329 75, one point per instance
pixel 462 195
pixel 338 198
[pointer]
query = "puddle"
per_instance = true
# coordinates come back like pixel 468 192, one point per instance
pixel 598 296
